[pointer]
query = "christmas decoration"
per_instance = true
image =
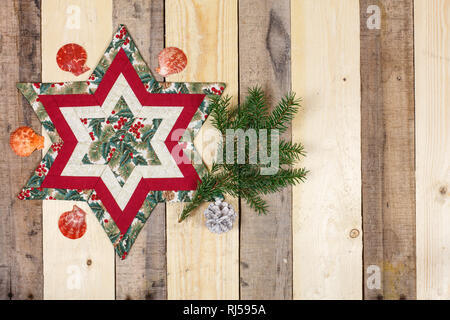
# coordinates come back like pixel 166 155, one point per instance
pixel 24 141
pixel 220 216
pixel 72 224
pixel 244 179
pixel 120 141
pixel 72 58
pixel 171 60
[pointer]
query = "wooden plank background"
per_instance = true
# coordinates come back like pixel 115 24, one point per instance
pixel 21 274
pixel 264 60
pixel 375 122
pixel 201 265
pixel 143 274
pixel 387 116
pixel 326 214
pixel 432 53
pixel 82 269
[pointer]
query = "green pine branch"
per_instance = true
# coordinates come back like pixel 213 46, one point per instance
pixel 290 152
pixel 221 117
pixel 283 113
pixel 254 113
pixel 245 180
pixel 255 201
pixel 265 184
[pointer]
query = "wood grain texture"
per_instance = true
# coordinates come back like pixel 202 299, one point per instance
pixel 327 261
pixel 60 26
pixel 264 60
pixel 143 274
pixel 82 268
pixel 20 221
pixel 432 62
pixel 200 264
pixel 387 140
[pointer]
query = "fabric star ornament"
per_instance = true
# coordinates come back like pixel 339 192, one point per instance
pixel 120 141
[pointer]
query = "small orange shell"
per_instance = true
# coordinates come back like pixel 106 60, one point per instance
pixel 171 60
pixel 72 224
pixel 24 141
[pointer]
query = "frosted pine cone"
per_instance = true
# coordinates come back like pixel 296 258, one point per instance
pixel 220 217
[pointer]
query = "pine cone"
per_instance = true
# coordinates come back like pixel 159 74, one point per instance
pixel 220 216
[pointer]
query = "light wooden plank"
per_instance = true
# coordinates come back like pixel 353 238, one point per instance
pixel 85 22
pixel 200 264
pixel 76 269
pixel 387 119
pixel 142 275
pixel 327 261
pixel 432 54
pixel 264 59
pixel 20 221
pixel 82 268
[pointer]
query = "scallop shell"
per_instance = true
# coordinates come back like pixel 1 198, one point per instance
pixel 24 141
pixel 171 60
pixel 72 224
pixel 72 58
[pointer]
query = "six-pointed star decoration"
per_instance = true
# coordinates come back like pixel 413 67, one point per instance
pixel 120 141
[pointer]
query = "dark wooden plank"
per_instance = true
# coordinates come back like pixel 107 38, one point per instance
pixel 143 274
pixel 20 221
pixel 387 137
pixel 266 241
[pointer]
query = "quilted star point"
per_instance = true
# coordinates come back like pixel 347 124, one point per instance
pixel 116 140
